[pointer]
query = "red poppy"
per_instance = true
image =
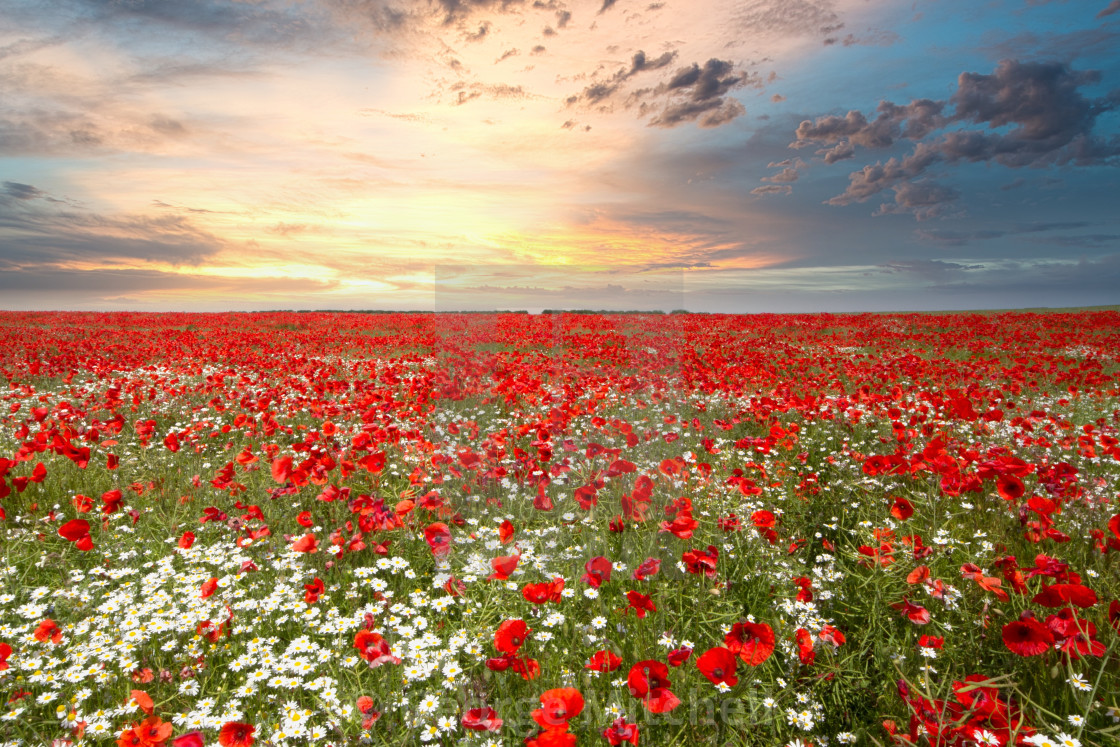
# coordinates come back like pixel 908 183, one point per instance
pixel 438 537
pixel 187 540
pixel 374 648
pixel 307 543
pixel 1027 637
pixel 832 635
pixel 510 635
pixel 640 603
pixel 5 652
pixel 364 704
pixel 598 571
pixel 604 661
pixel 649 680
pixel 916 613
pixel 678 656
pixel 1057 595
pixel 482 719
pixel 718 665
pixel 546 591
pixel 1114 615
pixel 314 590
pixel 698 561
pixel 620 731
pixel 902 509
pixel 303 518
pixel 48 630
pixel 503 565
pixel 234 734
pixel 82 503
pixel 112 501
pixel 558 707
pixel 648 567
pixel 144 701
pixel 1010 487
pixel 805 650
pixel 208 588
pixel 77 531
pixel 505 532
pixel 190 739
pixel 753 642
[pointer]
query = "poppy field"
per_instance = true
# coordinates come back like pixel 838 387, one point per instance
pixel 559 529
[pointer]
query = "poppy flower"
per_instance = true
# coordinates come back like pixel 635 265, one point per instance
pixel 598 571
pixel 678 656
pixel 482 719
pixel 144 701
pixel 604 661
pixel 438 537
pixel 152 732
pixel 503 565
pixel 208 588
pixel 649 680
pixel 805 650
pixel 187 540
pixel 698 561
pixel 915 613
pixel 505 532
pixel 902 509
pixel 832 635
pixel 364 704
pixel 640 603
pixel 5 652
pixel 648 567
pixel 753 642
pixel 77 531
pixel 112 501
pixel 303 518
pixel 308 543
pixel 190 739
pixel 1010 487
pixel 235 734
pixel 546 591
pixel 48 630
pixel 374 648
pixel 313 591
pixel 620 731
pixel 718 665
pixel 1057 595
pixel 510 635
pixel 558 707
pixel 1027 637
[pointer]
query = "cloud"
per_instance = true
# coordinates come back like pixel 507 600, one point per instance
pixel 37 229
pixel 598 93
pixel 1112 7
pixel 961 238
pixel 699 92
pixel 607 4
pixel 773 189
pixel 1032 114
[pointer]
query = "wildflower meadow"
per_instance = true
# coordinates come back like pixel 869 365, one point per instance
pixel 558 529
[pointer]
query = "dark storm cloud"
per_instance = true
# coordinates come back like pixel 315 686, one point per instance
pixel 1033 114
pixel 37 229
pixel 607 4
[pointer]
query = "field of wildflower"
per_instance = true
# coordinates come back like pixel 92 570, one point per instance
pixel 512 529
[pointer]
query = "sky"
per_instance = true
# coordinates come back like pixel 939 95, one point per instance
pixel 709 155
